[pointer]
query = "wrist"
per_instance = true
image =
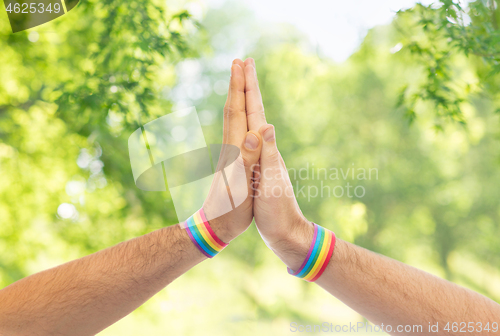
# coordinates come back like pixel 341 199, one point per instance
pixel 293 245
pixel 225 229
pixel 231 224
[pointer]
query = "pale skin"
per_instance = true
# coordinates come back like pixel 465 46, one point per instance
pixel 86 295
pixel 381 289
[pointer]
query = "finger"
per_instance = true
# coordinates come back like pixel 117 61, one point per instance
pixel 254 106
pixel 242 65
pixel 235 122
pixel 239 62
pixel 240 174
pixel 250 153
pixel 270 158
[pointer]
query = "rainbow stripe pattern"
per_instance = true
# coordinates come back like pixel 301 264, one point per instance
pixel 319 255
pixel 202 235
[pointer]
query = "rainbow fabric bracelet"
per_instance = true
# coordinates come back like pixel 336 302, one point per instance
pixel 202 235
pixel 319 255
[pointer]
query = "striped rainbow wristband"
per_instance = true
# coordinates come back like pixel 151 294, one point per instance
pixel 319 255
pixel 202 235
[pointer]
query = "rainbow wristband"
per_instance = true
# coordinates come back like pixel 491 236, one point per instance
pixel 319 255
pixel 202 235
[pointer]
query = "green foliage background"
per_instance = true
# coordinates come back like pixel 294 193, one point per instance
pixel 69 101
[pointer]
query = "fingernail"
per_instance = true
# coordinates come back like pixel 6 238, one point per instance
pixel 251 141
pixel 269 134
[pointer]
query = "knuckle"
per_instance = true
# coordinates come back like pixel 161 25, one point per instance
pixel 247 162
pixel 240 162
pixel 274 157
pixel 231 110
pixel 258 112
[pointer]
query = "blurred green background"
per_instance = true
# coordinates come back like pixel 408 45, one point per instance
pixel 416 104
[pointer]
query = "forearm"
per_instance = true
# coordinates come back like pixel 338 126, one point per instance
pixel 84 296
pixel 387 291
pixel 390 292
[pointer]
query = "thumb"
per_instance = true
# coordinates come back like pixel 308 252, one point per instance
pixel 240 174
pixel 250 152
pixel 270 158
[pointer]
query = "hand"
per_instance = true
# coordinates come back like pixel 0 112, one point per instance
pixel 236 179
pixel 277 214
